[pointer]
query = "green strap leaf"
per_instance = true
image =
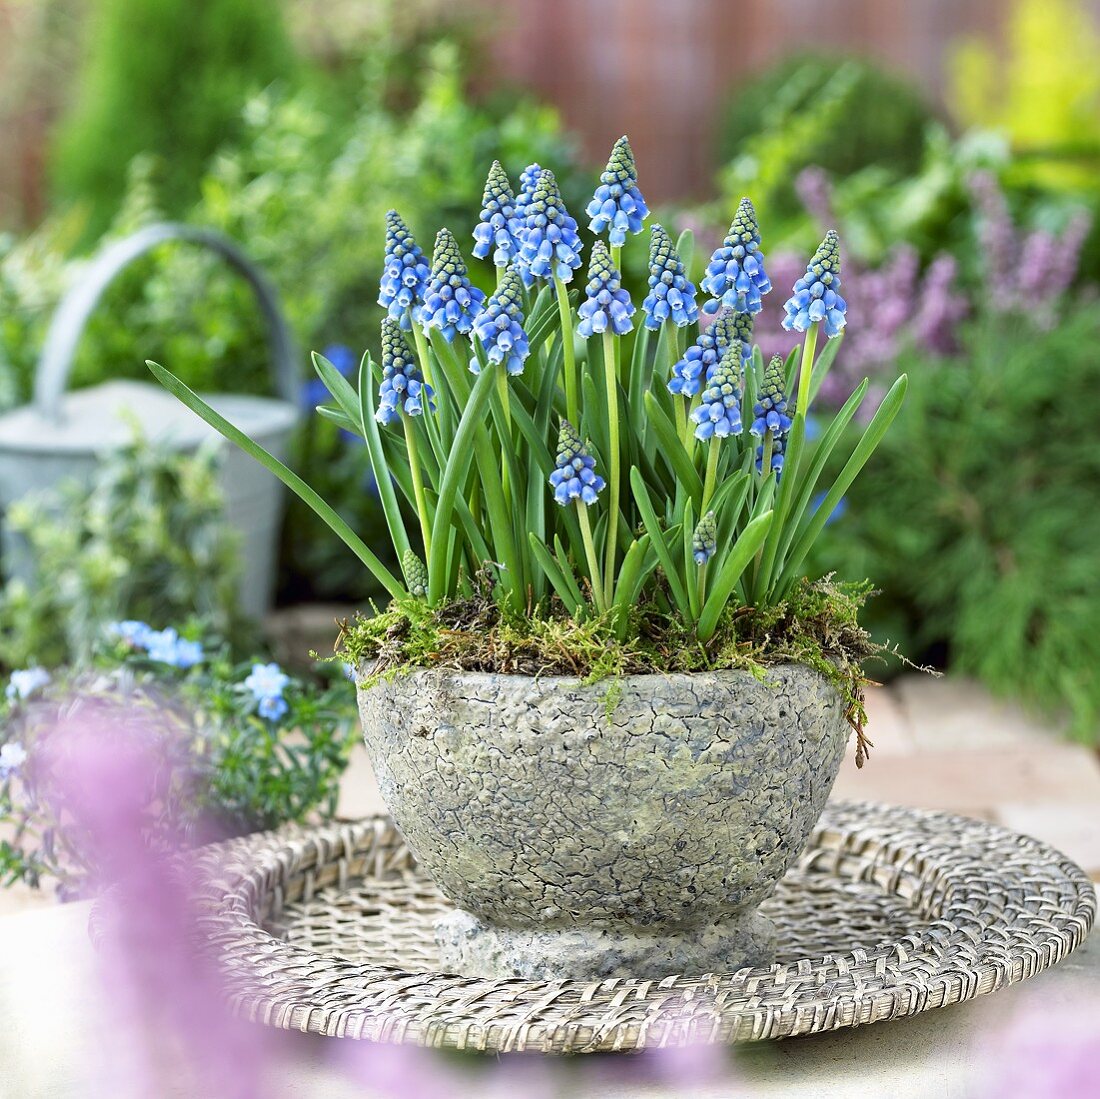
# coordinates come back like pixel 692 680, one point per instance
pixel 658 540
pixel 737 560
pixel 672 449
pixel 289 478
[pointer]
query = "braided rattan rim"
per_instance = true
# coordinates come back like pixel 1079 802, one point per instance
pixel 990 908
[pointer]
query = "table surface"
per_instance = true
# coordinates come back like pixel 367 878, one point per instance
pixel 50 1000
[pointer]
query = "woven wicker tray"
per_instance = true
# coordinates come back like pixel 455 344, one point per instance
pixel 890 912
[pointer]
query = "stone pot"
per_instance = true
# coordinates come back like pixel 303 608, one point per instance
pixel 626 828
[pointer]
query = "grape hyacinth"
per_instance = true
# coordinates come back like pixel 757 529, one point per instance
pixel 815 296
pixel 498 227
pixel 617 206
pixel 499 326
pixel 574 476
pixel 735 275
pixel 551 246
pixel 402 387
pixel 704 542
pixel 700 360
pixel 450 303
pixel 405 271
pixel 671 293
pixel 528 181
pixel 770 412
pixel 606 305
pixel 720 413
pixel 743 331
pixel 416 576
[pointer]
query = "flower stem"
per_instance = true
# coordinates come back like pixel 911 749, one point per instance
pixel 806 368
pixel 590 553
pixel 611 378
pixel 418 487
pixel 702 583
pixel 422 353
pixel 712 473
pixel 766 456
pixel 502 390
pixel 569 359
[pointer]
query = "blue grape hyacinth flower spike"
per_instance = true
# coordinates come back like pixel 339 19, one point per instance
pixel 499 326
pixel 770 414
pixel 450 303
pixel 704 541
pixel 551 246
pixel 617 206
pixel 816 296
pixel 735 275
pixel 606 305
pixel 405 272
pixel 574 476
pixel 702 358
pixel 720 412
pixel 498 227
pixel 402 388
pixel 671 294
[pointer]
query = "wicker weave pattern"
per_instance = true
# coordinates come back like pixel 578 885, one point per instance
pixel 890 912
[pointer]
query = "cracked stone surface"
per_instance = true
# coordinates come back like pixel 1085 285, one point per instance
pixel 586 839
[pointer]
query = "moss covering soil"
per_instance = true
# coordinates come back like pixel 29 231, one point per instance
pixel 817 626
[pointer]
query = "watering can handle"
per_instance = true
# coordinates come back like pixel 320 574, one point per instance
pixel 71 315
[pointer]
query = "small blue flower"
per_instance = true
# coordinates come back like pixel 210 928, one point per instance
pixel 404 273
pixel 770 413
pixel 671 293
pixel 704 542
pixel 702 358
pixel 12 756
pixel 574 476
pixel 24 684
pixel 606 304
pixel 837 512
pixel 133 633
pixel 720 413
pixel 402 388
pixel 551 246
pixel 735 275
pixel 815 296
pixel 498 227
pixel 618 205
pixel 167 647
pixel 267 683
pixel 499 326
pixel 314 392
pixel 450 302
pixel 742 330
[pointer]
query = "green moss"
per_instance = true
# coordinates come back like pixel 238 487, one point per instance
pixel 817 626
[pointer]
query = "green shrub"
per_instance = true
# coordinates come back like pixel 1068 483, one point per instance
pixel 147 539
pixel 166 77
pixel 978 517
pixel 838 113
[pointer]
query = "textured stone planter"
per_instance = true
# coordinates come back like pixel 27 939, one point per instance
pixel 583 835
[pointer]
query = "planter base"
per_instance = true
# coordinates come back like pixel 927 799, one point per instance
pixel 472 948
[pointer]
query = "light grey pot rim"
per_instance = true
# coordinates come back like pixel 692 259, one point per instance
pixel 440 671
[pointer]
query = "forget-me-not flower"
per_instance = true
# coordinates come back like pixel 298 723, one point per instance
pixel 167 647
pixel 671 294
pixel 574 476
pixel 617 206
pixel 25 683
pixel 131 632
pixel 499 326
pixel 606 305
pixel 815 296
pixel 267 683
pixel 12 756
pixel 402 388
pixel 735 275
pixel 498 226
pixel 405 271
